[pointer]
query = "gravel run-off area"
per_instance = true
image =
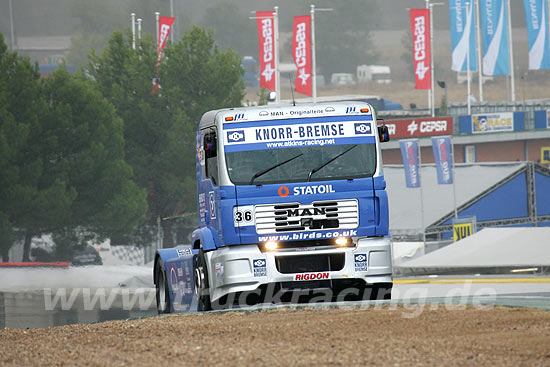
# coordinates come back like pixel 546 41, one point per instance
pixel 387 335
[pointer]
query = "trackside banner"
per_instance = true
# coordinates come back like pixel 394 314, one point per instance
pixel 293 133
pixel 409 153
pixel 495 122
pixel 301 51
pixel 266 34
pixel 536 18
pixel 494 36
pixel 165 26
pixel 420 28
pixel 462 35
pixel 443 154
pixel 424 126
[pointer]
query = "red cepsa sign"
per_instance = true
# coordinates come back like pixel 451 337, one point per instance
pixel 426 126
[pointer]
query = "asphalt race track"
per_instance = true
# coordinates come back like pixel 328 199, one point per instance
pixel 431 321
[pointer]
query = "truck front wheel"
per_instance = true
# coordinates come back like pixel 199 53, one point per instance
pixel 382 291
pixel 202 292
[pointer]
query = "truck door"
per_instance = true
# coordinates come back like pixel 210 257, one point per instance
pixel 209 184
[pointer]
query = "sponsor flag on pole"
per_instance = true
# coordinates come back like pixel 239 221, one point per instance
pixel 165 26
pixel 494 35
pixel 443 154
pixel 463 35
pixel 536 18
pixel 301 51
pixel 420 28
pixel 409 153
pixel 266 34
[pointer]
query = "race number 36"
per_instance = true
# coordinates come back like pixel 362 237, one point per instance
pixel 243 215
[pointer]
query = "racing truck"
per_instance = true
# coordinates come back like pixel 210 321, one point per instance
pixel 291 200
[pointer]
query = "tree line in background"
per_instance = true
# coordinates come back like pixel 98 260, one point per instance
pixel 96 154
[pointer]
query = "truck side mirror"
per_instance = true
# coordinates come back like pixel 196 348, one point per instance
pixel 383 134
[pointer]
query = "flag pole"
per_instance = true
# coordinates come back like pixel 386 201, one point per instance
pixel 313 51
pixel 421 191
pixel 276 54
pixel 157 17
pixel 12 31
pixel 454 176
pixel 512 84
pixel 172 15
pixel 478 44
pixel 468 102
pixel 547 16
pixel 430 91
pixel 133 16
pixel 313 61
pixel 432 72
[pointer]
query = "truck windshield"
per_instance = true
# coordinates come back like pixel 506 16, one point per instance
pixel 302 163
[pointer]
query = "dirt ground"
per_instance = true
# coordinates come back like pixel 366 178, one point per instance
pixel 379 336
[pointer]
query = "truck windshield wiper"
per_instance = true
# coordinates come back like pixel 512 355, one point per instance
pixel 328 162
pixel 263 172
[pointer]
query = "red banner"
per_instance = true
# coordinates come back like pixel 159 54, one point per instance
pixel 266 39
pixel 420 28
pixel 426 126
pixel 165 25
pixel 301 51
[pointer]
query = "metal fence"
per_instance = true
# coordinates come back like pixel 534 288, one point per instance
pixel 529 107
pixel 456 109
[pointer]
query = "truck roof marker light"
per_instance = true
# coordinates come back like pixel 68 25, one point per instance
pixel 271 245
pixel 364 110
pixel 341 241
pixel 229 118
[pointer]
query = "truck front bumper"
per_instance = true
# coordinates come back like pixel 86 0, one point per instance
pixel 245 268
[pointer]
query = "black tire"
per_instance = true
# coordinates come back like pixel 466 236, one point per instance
pixel 382 291
pixel 161 289
pixel 202 291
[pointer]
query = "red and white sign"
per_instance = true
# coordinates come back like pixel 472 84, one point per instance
pixel 420 28
pixel 301 51
pixel 312 276
pixel 266 39
pixel 165 26
pixel 427 126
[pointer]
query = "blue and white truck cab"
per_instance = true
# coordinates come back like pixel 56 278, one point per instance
pixel 289 198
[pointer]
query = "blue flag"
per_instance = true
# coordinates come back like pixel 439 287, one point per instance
pixel 443 154
pixel 462 31
pixel 536 18
pixel 494 34
pixel 409 153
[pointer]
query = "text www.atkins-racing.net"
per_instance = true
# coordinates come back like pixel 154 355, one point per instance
pixel 301 143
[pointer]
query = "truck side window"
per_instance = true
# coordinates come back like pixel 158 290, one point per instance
pixel 210 144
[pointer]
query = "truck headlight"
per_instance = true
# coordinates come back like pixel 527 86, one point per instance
pixel 342 241
pixel 271 245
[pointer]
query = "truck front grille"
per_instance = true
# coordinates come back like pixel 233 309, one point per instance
pixel 296 217
pixel 309 263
